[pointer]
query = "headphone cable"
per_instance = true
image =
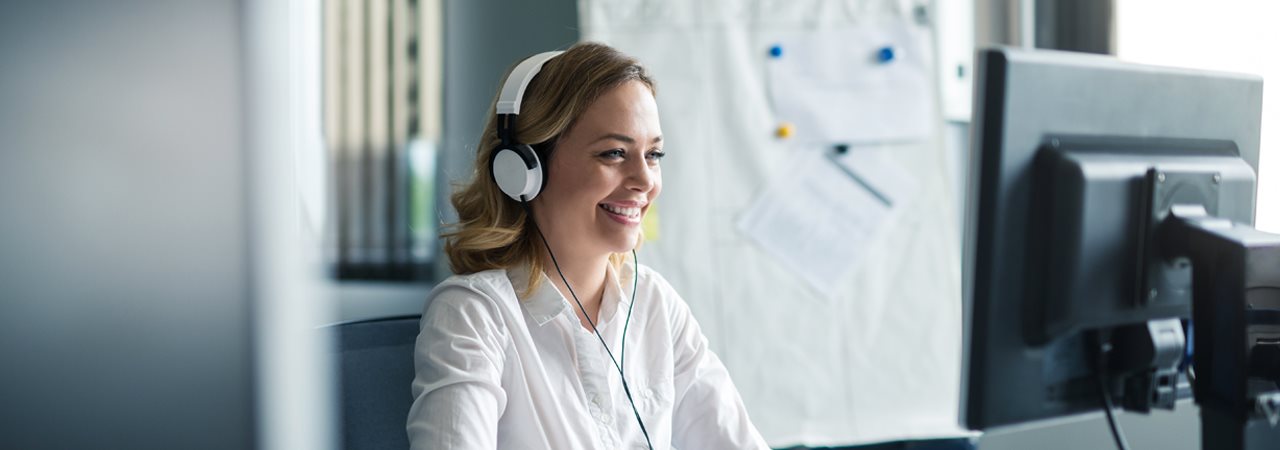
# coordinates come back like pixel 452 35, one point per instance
pixel 625 388
pixel 635 281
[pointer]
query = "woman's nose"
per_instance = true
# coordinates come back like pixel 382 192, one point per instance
pixel 641 176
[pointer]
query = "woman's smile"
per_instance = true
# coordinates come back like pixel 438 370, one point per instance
pixel 622 213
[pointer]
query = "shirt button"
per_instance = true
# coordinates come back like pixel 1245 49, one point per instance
pixel 605 418
pixel 595 399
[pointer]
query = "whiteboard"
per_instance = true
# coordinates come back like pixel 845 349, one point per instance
pixel 878 357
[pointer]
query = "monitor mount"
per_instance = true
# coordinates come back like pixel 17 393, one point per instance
pixel 1232 274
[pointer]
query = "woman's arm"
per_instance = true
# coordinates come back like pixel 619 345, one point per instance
pixel 458 360
pixel 709 413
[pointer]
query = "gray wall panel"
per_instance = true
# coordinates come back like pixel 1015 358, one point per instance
pixel 124 312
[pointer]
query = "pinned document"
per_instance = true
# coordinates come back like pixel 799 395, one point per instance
pixel 864 85
pixel 818 218
pixel 875 169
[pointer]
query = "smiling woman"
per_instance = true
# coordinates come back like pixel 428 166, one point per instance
pixel 492 231
pixel 504 359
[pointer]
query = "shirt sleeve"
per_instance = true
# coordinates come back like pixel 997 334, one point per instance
pixel 458 362
pixel 709 413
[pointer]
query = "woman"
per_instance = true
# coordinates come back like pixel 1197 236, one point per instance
pixel 525 347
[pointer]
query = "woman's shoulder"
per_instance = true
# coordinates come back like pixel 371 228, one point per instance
pixel 663 298
pixel 467 305
pixel 483 280
pixel 659 288
pixel 649 276
pixel 489 288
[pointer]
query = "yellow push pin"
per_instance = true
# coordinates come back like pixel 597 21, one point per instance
pixel 785 130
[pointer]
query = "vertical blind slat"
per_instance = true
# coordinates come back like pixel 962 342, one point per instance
pixel 372 131
pixel 351 149
pixel 377 94
pixel 331 104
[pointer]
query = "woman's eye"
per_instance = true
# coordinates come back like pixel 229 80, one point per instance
pixel 656 154
pixel 616 153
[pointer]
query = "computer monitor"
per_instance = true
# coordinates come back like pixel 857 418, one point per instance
pixel 1076 159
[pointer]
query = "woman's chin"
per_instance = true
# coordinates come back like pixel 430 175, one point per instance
pixel 624 245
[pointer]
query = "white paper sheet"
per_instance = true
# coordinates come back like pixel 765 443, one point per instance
pixel 876 169
pixel 817 219
pixel 831 86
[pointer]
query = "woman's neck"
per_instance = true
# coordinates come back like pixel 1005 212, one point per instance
pixel 586 276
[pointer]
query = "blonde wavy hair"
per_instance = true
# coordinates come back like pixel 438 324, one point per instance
pixel 494 231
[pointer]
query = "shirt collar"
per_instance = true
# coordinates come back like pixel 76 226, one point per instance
pixel 621 282
pixel 547 302
pixel 613 296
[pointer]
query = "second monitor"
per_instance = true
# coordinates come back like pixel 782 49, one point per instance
pixel 1083 166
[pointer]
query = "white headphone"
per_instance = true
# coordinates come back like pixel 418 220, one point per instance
pixel 515 166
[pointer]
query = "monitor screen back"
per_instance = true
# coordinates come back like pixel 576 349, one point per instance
pixel 1024 99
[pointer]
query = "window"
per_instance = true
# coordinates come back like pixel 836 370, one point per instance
pixel 381 125
pixel 1228 35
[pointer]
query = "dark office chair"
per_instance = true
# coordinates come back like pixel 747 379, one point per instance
pixel 376 361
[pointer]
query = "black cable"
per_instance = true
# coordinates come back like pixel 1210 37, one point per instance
pixel 625 388
pixel 1118 435
pixel 635 281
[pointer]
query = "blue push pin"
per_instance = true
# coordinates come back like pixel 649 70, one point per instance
pixel 885 54
pixel 775 51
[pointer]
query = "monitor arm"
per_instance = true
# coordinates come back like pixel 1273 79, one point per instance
pixel 1235 327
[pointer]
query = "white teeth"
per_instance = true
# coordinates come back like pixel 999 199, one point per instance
pixel 631 213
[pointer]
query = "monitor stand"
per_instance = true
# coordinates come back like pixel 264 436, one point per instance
pixel 1235 326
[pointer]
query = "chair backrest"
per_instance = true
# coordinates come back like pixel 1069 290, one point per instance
pixel 376 359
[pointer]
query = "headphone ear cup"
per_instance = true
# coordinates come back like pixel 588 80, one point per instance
pixel 517 171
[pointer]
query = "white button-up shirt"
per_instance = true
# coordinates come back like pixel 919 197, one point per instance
pixel 495 371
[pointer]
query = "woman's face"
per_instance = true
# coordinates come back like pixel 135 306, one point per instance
pixel 603 175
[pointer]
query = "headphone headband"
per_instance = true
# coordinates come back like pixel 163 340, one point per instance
pixel 515 166
pixel 513 89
